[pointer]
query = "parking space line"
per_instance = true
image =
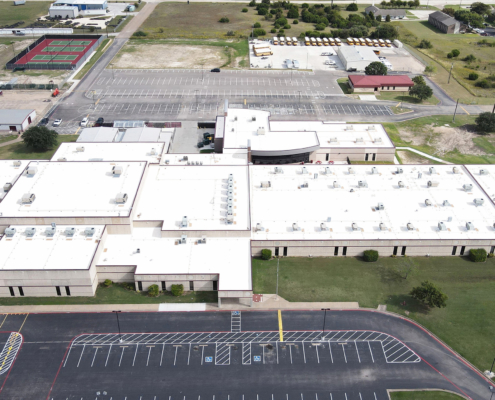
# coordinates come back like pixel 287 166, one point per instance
pixel 330 349
pixel 96 351
pixel 317 354
pixel 108 355
pixel 81 356
pixel 371 352
pixel 135 353
pixel 343 349
pixel 357 351
pixel 304 353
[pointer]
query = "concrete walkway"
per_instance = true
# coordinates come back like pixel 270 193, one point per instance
pixel 18 139
pixel 424 155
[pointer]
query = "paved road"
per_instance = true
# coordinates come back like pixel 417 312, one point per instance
pixel 201 355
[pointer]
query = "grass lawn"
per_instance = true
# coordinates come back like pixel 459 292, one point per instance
pixel 8 138
pixel 10 14
pixel 464 324
pixel 404 97
pixel 409 157
pixel 419 395
pixel 115 294
pixel 21 152
pixel 123 24
pixel 344 85
pixel 400 110
pixel 99 52
pixel 413 32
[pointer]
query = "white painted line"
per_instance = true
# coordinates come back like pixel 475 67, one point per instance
pixel 148 360
pixel 121 354
pixel 317 354
pixel 371 352
pixel 135 353
pixel 108 355
pixel 330 349
pixel 68 354
pixel 96 351
pixel 81 356
pixel 357 351
pixel 343 349
pixel 375 395
pixel 189 355
pixel 290 350
pixel 175 358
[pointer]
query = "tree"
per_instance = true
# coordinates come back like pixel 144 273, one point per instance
pixel 455 53
pixel 406 267
pixel 481 8
pixel 259 32
pixel 419 80
pixel 224 20
pixel 449 11
pixel 430 295
pixel 385 32
pixel 257 25
pixel 430 70
pixel 425 44
pixel 244 10
pixel 352 7
pixel 376 68
pixel 485 122
pixel 293 13
pixel 422 92
pixel 469 58
pixel 379 18
pixel 387 18
pixel 473 76
pixel 40 138
pixel 252 3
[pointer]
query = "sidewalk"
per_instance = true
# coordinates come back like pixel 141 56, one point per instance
pixel 424 155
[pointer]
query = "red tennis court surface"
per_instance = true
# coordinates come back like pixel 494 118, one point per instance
pixel 57 51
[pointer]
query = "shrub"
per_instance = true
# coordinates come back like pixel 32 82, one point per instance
pixel 425 44
pixel 455 53
pixel 287 26
pixel 450 55
pixel 266 254
pixel 257 25
pixel 477 255
pixel 295 22
pixel 129 286
pixel 107 283
pixel 320 27
pixel 273 30
pixel 469 58
pixel 281 31
pixel 262 11
pixel 177 290
pixel 419 80
pixel 259 32
pixel 484 84
pixel 140 34
pixel 430 295
pixel 387 18
pixel 281 21
pixel 370 255
pixel 485 122
pixel 153 291
pixel 491 255
pixel 224 20
pixel 244 10
pixel 230 33
pixel 252 3
pixel 352 7
pixel 473 76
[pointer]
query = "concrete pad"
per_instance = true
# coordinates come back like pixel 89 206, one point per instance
pixel 367 97
pixel 164 307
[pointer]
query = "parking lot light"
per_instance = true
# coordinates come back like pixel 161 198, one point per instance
pixel 118 324
pixel 324 320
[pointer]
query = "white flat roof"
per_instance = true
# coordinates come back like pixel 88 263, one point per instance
pixel 241 128
pixel 150 152
pixel 235 158
pixel 163 256
pixel 339 135
pixel 487 182
pixel 9 173
pixel 41 252
pixel 74 189
pixel 358 53
pixel 171 192
pixel 285 202
pixel 104 134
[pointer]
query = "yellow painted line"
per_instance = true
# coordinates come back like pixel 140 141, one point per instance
pixel 27 315
pixel 6 315
pixel 97 101
pixel 77 130
pixel 280 328
pixel 464 110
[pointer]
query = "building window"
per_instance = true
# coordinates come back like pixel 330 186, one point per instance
pixel 403 253
pixel 57 288
pixel 366 157
pixel 374 156
pixel 395 250
pixel 454 250
pixel 11 290
pixel 344 250
pixel 67 290
pixel 21 292
pixel 394 88
pixel 215 285
pixel 383 87
pixel 285 251
pixel 336 251
pixel 164 287
pixel 276 251
pixel 463 249
pixel 140 286
pixel 492 249
pixel 191 285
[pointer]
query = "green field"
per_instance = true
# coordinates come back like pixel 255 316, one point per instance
pixel 405 98
pixel 29 12
pixel 420 395
pixel 56 49
pixel 464 324
pixel 8 138
pixel 20 151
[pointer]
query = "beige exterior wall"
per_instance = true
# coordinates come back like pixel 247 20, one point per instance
pixel 385 89
pixel 354 154
pixel 119 274
pixel 201 282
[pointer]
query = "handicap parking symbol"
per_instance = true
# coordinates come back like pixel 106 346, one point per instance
pixel 257 358
pixel 208 359
pixel 235 312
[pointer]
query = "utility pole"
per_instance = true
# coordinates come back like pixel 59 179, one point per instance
pixel 453 119
pixel 450 72
pixel 118 324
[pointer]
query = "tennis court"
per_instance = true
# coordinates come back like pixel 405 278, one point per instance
pixel 71 42
pixel 58 57
pixel 58 49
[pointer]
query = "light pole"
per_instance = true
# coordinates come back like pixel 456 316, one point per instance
pixel 118 324
pixel 455 111
pixel 324 320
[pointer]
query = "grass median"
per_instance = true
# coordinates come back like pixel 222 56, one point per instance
pixel 84 70
pixel 464 324
pixel 424 395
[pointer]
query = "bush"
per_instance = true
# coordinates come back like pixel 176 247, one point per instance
pixel 430 295
pixel 281 31
pixel 139 34
pixel 287 26
pixel 128 286
pixel 352 7
pixel 320 27
pixel 177 290
pixel 153 291
pixel 370 255
pixel 244 10
pixel 473 76
pixel 387 18
pixel 230 33
pixel 252 3
pixel 224 20
pixel 107 283
pixel 262 11
pixel 485 122
pixel 425 44
pixel 455 53
pixel 484 84
pixel 257 25
pixel 295 22
pixel 477 255
pixel 273 30
pixel 266 254
pixel 259 32
pixel 450 55
pixel 469 58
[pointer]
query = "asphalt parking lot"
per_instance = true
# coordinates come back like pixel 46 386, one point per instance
pixel 221 356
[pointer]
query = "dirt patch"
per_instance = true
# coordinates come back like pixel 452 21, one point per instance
pixel 407 157
pixel 27 99
pixel 170 56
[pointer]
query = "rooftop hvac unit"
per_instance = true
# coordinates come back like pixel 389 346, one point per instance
pixel 295 228
pixel 70 231
pixel 80 149
pixel 455 170
pixel 17 163
pixel 202 240
pixel 363 184
pixel 121 198
pixel 230 193
pixel 374 170
pixel 433 170
pixel 304 170
pixel 355 226
pixel 428 203
pixel 315 175
pixel 359 140
pixel 401 184
pixel 400 170
pixel 266 184
pixel 261 131
pixel 230 186
pixel 420 175
pixel 371 127
pixel 32 170
pixel 89 231
pixel 184 158
pixel 410 227
pixel 28 198
pixel 117 170
pixel 304 185
pixel 335 184
pixel 153 152
pixel 349 128
pixel 442 226
pixel 467 187
pixel 324 227
pixel 279 170
pixel 327 171
pixel 7 187
pixel 231 179
pixel 479 201
pixel 446 203
pixel 230 200
pixel 50 231
pixel 30 232
pixel 259 228
pixel 62 159
pixel 10 232
pixel 380 207
pixel 383 227
pixel 333 140
pixel 484 172
pixel 230 209
pixel 183 224
pixel 432 183
pixel 253 118
pixel 230 219
pixel 377 140
pixel 469 226
pixel 351 170
pixel 183 239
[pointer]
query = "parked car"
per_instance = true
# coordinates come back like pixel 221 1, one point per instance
pixel 351 69
pixel 100 121
pixel 85 121
pixel 57 122
pixel 330 62
pixel 215 70
pixel 44 121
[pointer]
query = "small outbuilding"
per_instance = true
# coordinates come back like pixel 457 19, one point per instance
pixel 378 83
pixel 444 22
pixel 16 120
pixel 356 58
pixel 394 13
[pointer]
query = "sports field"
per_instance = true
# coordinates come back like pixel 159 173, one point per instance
pixel 58 57
pixel 72 42
pixel 63 49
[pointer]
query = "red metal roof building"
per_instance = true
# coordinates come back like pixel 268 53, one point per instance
pixel 376 83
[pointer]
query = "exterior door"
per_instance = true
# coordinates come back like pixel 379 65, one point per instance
pixel 13 128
